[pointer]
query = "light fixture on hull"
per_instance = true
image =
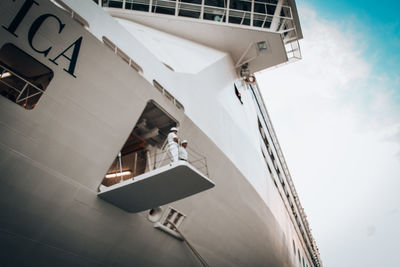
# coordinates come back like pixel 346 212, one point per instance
pixel 118 174
pixel 5 75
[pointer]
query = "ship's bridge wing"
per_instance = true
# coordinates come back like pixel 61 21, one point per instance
pixel 258 32
pixel 240 43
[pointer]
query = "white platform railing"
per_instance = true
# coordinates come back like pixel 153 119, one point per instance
pixel 133 164
pixel 275 16
pixel 270 16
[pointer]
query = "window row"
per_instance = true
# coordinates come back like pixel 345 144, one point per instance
pixel 302 262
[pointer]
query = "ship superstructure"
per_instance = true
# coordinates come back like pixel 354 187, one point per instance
pixel 88 100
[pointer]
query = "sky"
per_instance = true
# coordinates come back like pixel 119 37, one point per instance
pixel 336 113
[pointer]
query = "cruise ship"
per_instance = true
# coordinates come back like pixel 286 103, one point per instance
pixel 90 91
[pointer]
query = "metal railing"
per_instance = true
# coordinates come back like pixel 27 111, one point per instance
pixel 193 158
pixel 18 89
pixel 137 163
pixel 293 51
pixel 273 16
pixel 270 16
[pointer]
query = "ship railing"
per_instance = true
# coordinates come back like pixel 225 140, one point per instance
pixel 291 41
pixel 293 51
pixel 269 16
pixel 134 164
pixel 18 89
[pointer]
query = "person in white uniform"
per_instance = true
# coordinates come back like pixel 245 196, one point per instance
pixel 183 155
pixel 173 147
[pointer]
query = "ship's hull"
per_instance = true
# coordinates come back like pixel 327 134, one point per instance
pixel 50 219
pixel 54 157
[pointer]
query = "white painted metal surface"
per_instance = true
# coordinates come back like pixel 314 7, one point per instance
pixel 161 186
pixel 54 157
pixel 220 36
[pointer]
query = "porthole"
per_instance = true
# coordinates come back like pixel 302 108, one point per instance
pixel 154 214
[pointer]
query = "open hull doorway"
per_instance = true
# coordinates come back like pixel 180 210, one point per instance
pixel 139 153
pixel 144 175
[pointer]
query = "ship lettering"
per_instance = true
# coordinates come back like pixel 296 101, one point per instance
pixel 35 27
pixel 37 23
pixel 74 57
pixel 20 16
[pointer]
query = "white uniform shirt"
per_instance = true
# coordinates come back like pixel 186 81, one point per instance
pixel 183 153
pixel 171 137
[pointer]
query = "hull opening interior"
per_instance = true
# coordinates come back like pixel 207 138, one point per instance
pixel 145 174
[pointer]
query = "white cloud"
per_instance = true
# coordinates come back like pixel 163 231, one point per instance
pixel 339 126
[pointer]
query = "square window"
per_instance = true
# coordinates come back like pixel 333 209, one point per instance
pixel 23 79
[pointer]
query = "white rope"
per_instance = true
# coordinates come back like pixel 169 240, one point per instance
pixel 201 259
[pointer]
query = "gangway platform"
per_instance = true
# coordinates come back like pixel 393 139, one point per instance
pixel 161 186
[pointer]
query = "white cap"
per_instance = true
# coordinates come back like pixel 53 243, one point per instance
pixel 173 129
pixel 184 142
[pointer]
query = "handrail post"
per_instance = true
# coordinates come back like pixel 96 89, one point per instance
pixel 134 165
pixel 120 166
pixel 202 10
pixel 276 17
pixel 227 11
pixel 252 13
pixel 176 7
pixel 155 161
pixel 149 160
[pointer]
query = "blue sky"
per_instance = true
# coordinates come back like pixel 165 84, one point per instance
pixel 337 117
pixel 376 22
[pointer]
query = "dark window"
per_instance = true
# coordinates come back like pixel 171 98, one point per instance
pixel 294 247
pixel 164 7
pixel 117 4
pixel 269 169
pixel 238 94
pixel 240 5
pixel 23 79
pixel 189 9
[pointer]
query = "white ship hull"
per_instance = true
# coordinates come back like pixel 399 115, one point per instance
pixel 54 157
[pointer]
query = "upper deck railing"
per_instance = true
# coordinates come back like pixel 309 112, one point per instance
pixel 262 15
